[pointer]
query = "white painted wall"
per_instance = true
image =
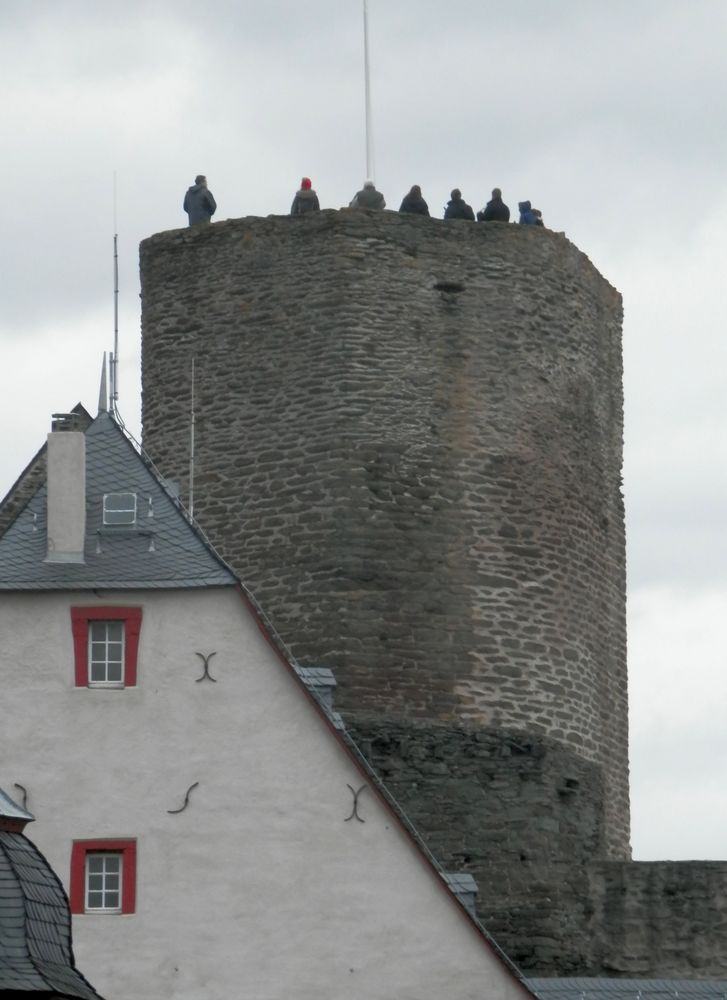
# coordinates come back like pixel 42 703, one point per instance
pixel 259 889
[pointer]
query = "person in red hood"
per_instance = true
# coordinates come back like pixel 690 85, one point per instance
pixel 306 200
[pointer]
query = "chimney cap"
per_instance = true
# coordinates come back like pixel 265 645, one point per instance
pixel 66 422
pixel 12 816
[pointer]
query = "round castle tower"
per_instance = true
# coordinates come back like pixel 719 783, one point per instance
pixel 409 446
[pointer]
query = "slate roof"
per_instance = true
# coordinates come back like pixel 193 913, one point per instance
pixel 162 550
pixel 629 989
pixel 35 926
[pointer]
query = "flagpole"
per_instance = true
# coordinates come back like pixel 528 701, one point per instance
pixel 367 89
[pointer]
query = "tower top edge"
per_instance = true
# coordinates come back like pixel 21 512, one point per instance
pixel 385 226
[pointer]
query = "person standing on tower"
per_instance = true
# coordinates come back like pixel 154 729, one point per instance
pixel 199 204
pixel 527 215
pixel 368 197
pixel 414 203
pixel 306 200
pixel 495 210
pixel 457 207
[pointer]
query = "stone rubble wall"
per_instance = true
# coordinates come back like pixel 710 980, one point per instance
pixel 649 919
pixel 409 441
pixel 409 446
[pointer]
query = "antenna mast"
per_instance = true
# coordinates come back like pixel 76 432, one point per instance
pixel 114 366
pixel 367 92
pixel 191 453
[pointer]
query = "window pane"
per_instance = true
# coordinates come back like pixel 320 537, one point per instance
pixel 119 508
pixel 103 881
pixel 106 652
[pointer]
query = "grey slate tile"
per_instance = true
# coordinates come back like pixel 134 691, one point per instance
pixel 115 557
pixel 35 939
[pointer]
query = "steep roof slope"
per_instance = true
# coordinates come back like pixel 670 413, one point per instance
pixel 35 925
pixel 160 550
pixel 33 476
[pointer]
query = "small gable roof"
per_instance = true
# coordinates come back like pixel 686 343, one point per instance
pixel 162 550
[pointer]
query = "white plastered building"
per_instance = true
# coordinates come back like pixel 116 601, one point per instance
pixel 218 833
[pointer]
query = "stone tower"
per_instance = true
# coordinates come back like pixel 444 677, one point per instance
pixel 409 446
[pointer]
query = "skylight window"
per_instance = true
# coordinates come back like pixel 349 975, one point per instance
pixel 119 508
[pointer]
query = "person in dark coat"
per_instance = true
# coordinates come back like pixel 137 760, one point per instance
pixel 414 203
pixel 199 203
pixel 457 207
pixel 306 200
pixel 538 217
pixel 368 197
pixel 527 215
pixel 495 210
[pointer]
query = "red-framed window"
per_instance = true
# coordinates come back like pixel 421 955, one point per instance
pixel 106 646
pixel 103 876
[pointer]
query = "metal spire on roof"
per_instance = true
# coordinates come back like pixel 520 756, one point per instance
pixel 103 398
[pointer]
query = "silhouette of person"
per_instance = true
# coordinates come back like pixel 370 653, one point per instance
pixel 457 207
pixel 414 203
pixel 495 210
pixel 527 215
pixel 199 203
pixel 306 200
pixel 368 197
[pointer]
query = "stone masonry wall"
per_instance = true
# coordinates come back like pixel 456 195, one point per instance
pixel 656 920
pixel 409 447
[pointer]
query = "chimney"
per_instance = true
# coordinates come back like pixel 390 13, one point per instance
pixel 66 490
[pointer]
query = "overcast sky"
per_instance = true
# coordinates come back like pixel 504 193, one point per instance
pixel 608 116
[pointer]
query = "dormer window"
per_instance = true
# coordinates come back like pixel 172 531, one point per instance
pixel 119 508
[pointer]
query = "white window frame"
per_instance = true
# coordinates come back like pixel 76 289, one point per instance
pixel 120 516
pixel 119 875
pixel 106 683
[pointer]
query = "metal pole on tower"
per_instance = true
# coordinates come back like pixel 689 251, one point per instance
pixel 115 355
pixel 191 450
pixel 367 91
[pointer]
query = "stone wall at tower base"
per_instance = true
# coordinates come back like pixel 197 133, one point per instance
pixel 650 919
pixel 525 816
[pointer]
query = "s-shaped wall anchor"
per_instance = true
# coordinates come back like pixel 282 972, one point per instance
pixel 173 812
pixel 354 811
pixel 206 676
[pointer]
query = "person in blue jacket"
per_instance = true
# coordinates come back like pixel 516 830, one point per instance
pixel 527 215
